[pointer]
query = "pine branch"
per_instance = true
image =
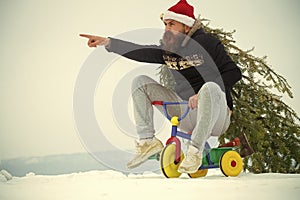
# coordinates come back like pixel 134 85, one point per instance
pixel 270 124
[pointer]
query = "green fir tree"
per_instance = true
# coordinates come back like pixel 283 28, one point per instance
pixel 272 127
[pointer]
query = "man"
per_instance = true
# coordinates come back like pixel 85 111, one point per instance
pixel 197 69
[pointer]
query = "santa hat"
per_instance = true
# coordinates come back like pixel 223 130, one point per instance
pixel 181 12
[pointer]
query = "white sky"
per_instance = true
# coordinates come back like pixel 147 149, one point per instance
pixel 41 55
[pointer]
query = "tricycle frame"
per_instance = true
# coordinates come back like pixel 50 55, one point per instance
pixel 208 162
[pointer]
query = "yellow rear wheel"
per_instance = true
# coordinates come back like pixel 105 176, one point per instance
pixel 231 163
pixel 199 173
pixel 167 161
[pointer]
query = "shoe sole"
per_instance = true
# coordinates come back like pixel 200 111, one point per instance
pixel 144 158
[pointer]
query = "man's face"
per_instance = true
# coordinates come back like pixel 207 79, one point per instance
pixel 174 35
pixel 175 26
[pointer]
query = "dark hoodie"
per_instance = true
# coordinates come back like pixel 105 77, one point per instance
pixel 203 59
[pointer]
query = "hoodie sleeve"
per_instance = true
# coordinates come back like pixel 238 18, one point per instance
pixel 141 53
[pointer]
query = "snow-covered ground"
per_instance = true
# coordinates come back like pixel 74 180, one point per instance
pixel 110 184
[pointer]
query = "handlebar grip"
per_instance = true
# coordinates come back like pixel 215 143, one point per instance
pixel 160 103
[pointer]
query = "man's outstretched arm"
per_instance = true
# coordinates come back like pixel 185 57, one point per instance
pixel 141 53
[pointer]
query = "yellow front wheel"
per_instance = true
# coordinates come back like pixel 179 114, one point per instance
pixel 231 163
pixel 167 161
pixel 199 173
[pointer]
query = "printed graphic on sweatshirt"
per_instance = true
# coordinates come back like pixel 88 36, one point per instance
pixel 180 63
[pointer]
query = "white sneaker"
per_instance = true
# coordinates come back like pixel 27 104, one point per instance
pixel 191 162
pixel 144 150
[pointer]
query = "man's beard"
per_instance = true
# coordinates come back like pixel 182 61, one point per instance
pixel 172 42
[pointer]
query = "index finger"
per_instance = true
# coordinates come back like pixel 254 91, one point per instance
pixel 86 36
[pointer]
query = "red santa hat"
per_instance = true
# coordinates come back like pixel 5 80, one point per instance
pixel 181 12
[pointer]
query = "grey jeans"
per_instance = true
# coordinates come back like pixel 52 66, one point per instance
pixel 211 118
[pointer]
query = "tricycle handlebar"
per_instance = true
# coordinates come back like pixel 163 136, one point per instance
pixel 164 104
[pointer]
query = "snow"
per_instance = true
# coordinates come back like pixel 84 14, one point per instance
pixel 5 176
pixel 109 184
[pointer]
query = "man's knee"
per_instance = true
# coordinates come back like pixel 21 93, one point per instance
pixel 142 82
pixel 209 87
pixel 139 79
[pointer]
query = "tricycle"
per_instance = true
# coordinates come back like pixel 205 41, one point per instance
pixel 225 158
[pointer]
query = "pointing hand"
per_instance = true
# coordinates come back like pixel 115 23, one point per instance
pixel 94 40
